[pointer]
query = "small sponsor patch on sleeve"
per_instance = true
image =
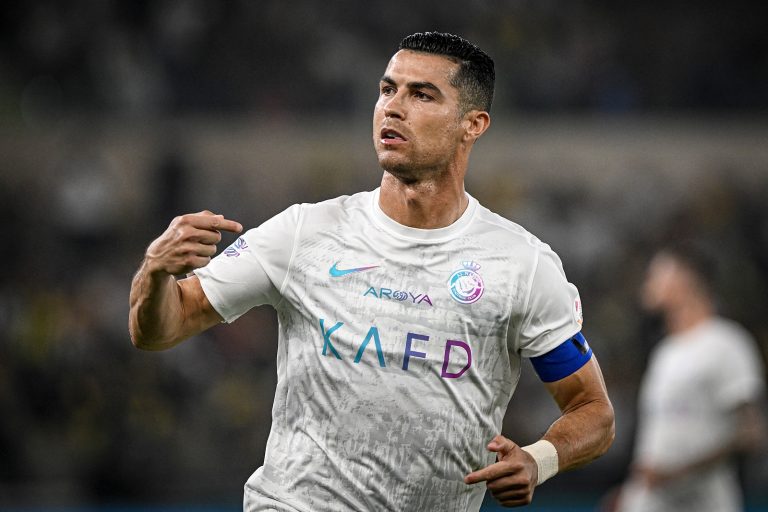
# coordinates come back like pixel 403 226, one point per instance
pixel 578 314
pixel 234 250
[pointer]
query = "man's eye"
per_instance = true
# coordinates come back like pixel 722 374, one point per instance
pixel 387 90
pixel 422 96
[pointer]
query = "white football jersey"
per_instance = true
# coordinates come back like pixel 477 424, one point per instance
pixel 399 348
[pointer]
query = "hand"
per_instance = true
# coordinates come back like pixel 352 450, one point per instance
pixel 512 478
pixel 653 478
pixel 188 243
pixel 649 476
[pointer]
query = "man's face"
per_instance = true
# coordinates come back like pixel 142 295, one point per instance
pixel 416 123
pixel 667 284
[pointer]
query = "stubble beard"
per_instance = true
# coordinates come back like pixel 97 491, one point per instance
pixel 403 172
pixel 409 171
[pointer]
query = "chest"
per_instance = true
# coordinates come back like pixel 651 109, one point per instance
pixel 461 282
pixel 681 382
pixel 432 307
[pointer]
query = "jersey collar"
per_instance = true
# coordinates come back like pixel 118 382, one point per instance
pixel 423 235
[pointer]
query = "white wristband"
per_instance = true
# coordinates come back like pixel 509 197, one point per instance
pixel 545 455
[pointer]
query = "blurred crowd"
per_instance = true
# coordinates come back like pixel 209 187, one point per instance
pixel 172 56
pixel 117 116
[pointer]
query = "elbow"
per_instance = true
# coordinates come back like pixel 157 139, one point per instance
pixel 609 428
pixel 142 341
pixel 603 429
pixel 138 338
pixel 139 341
pixel 151 344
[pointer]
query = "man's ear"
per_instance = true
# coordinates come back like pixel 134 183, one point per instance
pixel 475 123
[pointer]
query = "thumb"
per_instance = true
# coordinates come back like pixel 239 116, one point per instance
pixel 502 446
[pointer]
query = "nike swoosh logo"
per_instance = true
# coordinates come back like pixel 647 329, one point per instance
pixel 338 272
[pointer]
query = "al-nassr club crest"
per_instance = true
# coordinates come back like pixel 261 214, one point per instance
pixel 465 284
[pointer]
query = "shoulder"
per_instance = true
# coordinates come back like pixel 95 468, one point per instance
pixel 311 215
pixel 738 347
pixel 736 362
pixel 722 347
pixel 509 233
pixel 526 252
pixel 724 334
pixel 333 209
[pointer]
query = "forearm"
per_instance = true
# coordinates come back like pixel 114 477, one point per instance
pixel 582 434
pixel 586 428
pixel 156 310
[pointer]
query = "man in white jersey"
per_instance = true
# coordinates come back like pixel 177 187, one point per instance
pixel 404 315
pixel 698 402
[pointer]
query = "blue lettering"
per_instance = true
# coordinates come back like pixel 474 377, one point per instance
pixel 398 295
pixel 373 332
pixel 327 337
pixel 408 352
pixel 450 369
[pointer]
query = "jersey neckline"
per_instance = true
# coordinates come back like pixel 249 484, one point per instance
pixel 425 235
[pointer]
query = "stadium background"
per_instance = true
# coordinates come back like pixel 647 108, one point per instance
pixel 616 126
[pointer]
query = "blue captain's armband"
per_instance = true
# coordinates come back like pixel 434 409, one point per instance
pixel 564 359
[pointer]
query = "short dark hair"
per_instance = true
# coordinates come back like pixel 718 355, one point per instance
pixel 696 257
pixel 475 77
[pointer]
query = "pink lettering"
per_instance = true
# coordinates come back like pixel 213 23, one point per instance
pixel 448 345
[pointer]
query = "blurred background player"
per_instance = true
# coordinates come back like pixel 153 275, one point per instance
pixel 699 397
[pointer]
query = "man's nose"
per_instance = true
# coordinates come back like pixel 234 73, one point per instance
pixel 394 107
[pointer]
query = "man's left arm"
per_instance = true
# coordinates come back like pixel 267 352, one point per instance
pixel 583 432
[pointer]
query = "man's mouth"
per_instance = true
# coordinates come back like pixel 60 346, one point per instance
pixel 390 136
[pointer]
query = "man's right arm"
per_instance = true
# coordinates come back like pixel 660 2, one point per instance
pixel 165 311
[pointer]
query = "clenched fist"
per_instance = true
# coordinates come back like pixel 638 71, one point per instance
pixel 188 243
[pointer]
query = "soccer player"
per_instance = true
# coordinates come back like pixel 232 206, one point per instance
pixel 404 314
pixel 698 402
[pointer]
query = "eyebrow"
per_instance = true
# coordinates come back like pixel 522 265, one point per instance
pixel 414 85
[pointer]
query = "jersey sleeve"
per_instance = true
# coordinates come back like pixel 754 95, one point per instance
pixel 739 373
pixel 553 308
pixel 253 270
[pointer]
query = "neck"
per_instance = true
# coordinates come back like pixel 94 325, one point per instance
pixel 425 204
pixel 688 315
